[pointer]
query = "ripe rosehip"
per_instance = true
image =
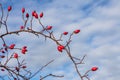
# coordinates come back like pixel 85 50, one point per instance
pixel 23 10
pixel 2 56
pixel 4 45
pixel 3 51
pixel 9 8
pixel 65 33
pixel 27 15
pixel 22 27
pixel 94 68
pixel 2 69
pixel 15 78
pixel 23 51
pixel 12 46
pixel 60 48
pixel 36 15
pixel 77 31
pixel 33 13
pixel 24 67
pixel 49 28
pixel 17 69
pixel 15 55
pixel 41 14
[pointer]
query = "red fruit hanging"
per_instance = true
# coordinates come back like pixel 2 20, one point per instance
pixel 2 56
pixel 22 27
pixel 27 15
pixel 49 28
pixel 33 13
pixel 41 14
pixel 9 8
pixel 94 68
pixel 2 69
pixel 60 48
pixel 15 55
pixel 77 31
pixel 24 49
pixel 24 67
pixel 17 69
pixel 23 10
pixel 12 46
pixel 65 33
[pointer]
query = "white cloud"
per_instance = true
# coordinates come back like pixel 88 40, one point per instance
pixel 99 37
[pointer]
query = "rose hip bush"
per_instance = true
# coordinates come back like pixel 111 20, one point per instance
pixel 20 71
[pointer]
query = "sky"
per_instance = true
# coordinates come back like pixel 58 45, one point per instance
pixel 99 39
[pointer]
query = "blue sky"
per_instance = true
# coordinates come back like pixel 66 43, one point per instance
pixel 99 21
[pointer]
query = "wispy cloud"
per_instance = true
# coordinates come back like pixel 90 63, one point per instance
pixel 99 22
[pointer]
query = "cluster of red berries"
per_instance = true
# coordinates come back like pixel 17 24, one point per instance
pixel 34 14
pixel 23 51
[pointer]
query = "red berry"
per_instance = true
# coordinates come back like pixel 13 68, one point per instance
pixel 41 14
pixel 17 69
pixel 65 33
pixel 23 66
pixel 9 8
pixel 49 28
pixel 2 70
pixel 76 31
pixel 12 46
pixel 27 15
pixel 4 45
pixel 3 51
pixel 94 68
pixel 23 51
pixel 33 13
pixel 22 27
pixel 15 55
pixel 23 10
pixel 2 56
pixel 60 48
pixel 36 15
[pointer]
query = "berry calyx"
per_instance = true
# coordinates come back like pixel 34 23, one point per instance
pixel 77 31
pixel 49 28
pixel 15 55
pixel 65 33
pixel 9 8
pixel 94 68
pixel 23 10
pixel 41 14
pixel 12 46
